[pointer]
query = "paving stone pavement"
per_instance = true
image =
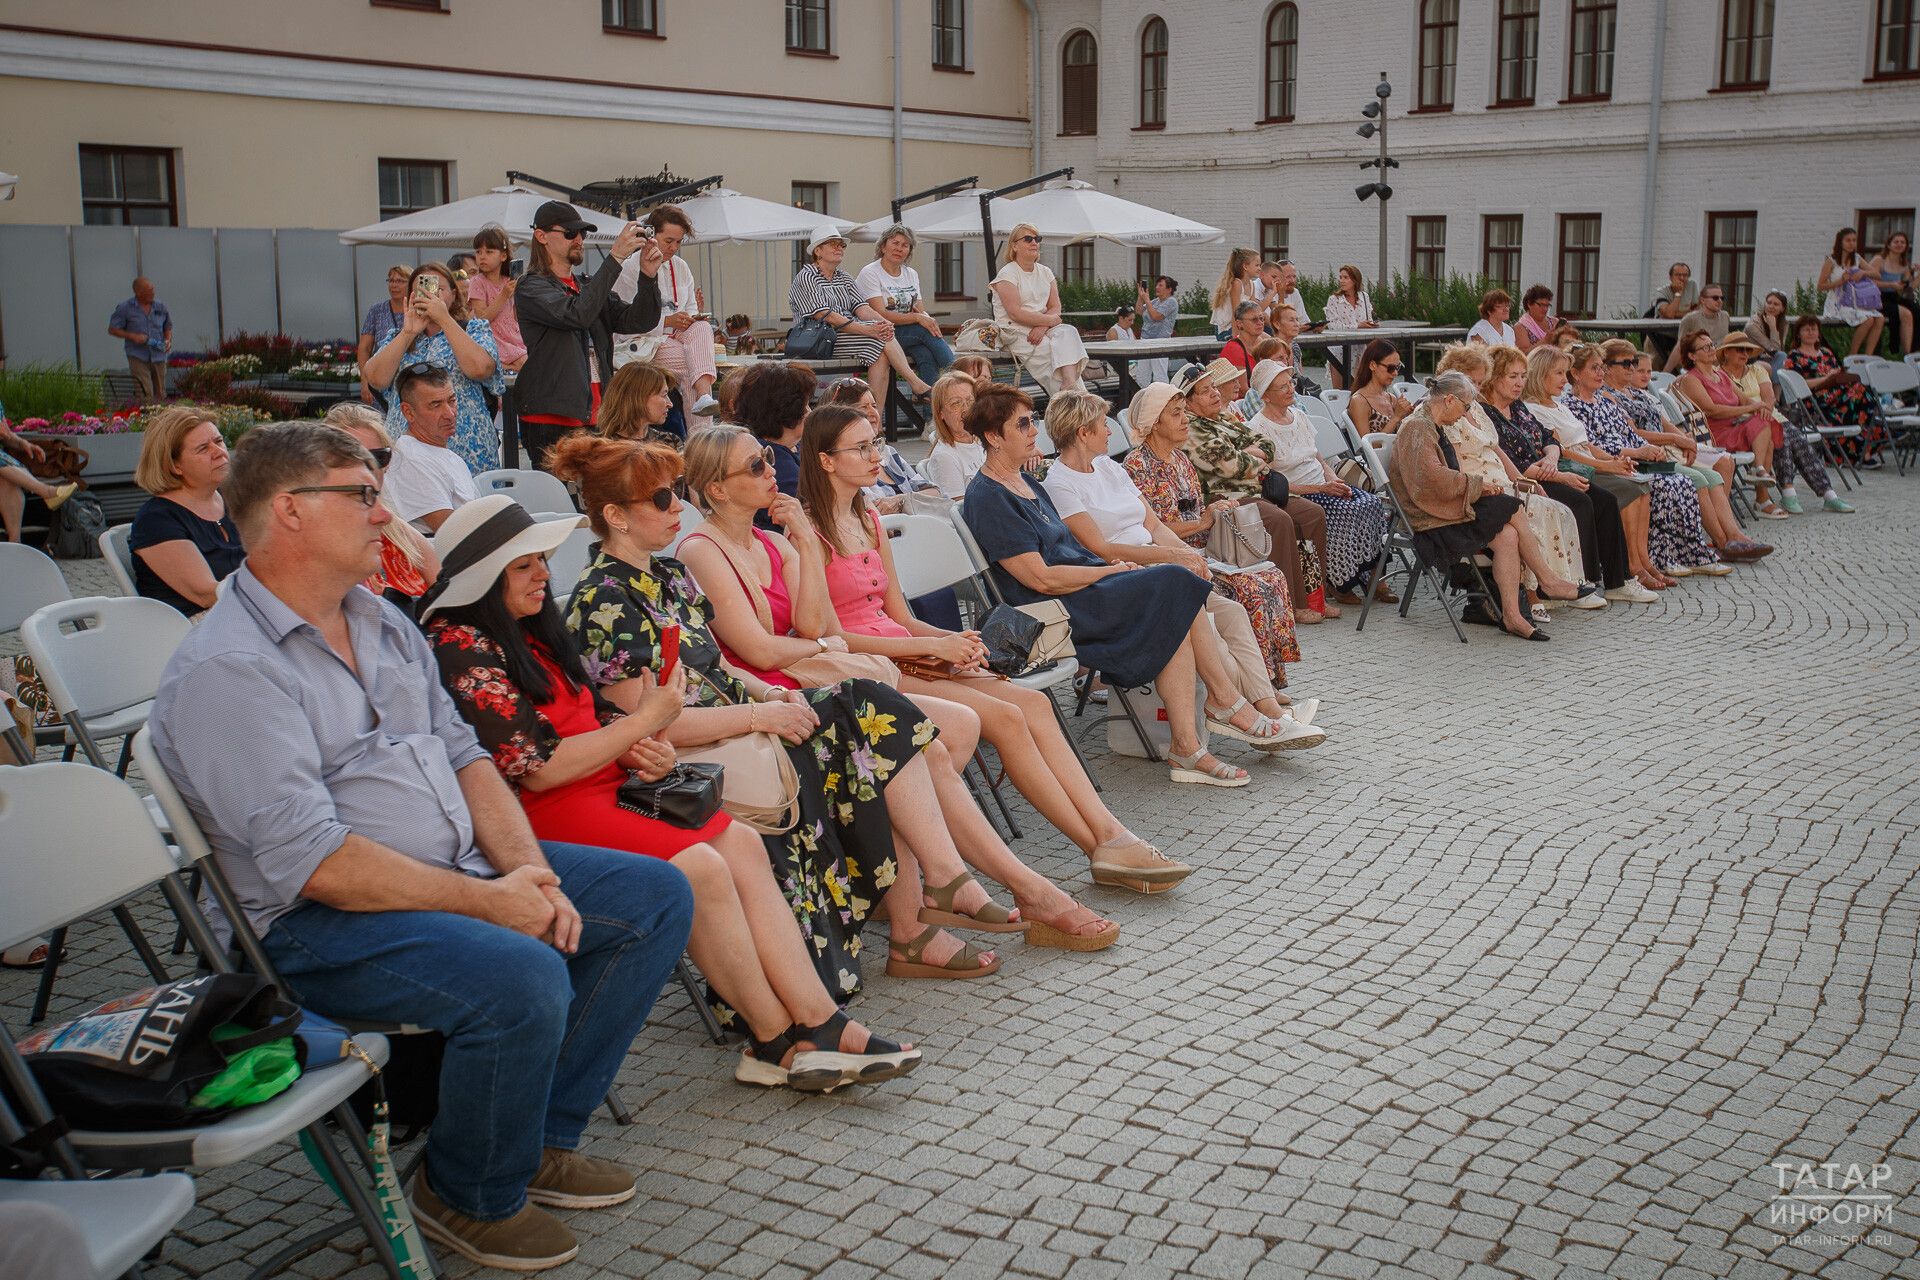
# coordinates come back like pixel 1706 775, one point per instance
pixel 1533 970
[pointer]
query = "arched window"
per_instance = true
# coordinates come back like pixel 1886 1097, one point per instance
pixel 1283 53
pixel 1439 49
pixel 1080 84
pixel 1153 75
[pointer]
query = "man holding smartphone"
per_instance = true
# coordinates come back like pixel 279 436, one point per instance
pixel 568 320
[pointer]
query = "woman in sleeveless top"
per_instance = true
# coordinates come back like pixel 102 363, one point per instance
pixel 722 478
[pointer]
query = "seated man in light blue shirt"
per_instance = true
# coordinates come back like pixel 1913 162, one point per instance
pixel 390 871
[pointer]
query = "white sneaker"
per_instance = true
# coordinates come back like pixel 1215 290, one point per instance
pixel 1677 571
pixel 1718 569
pixel 1632 593
pixel 704 405
pixel 1594 601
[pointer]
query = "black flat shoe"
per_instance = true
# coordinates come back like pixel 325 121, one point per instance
pixel 1538 633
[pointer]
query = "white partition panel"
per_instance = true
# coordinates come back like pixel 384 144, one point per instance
pixel 104 266
pixel 179 261
pixel 249 301
pixel 316 286
pixel 36 296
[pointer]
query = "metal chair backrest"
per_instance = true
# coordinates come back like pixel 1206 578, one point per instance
pixel 570 559
pixel 30 579
pixel 114 663
pixel 119 557
pixel 1887 378
pixel 534 490
pixel 78 841
pixel 927 554
pixel 983 571
pixel 1413 391
pixel 1125 419
pixel 1328 438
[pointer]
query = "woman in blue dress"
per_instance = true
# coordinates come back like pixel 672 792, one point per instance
pixel 1135 624
pixel 439 331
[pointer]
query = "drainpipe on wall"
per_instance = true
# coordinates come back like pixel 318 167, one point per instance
pixel 1653 150
pixel 899 117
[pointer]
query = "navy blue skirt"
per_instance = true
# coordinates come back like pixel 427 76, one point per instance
pixel 1128 625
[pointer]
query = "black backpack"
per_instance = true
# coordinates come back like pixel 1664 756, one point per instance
pixel 77 527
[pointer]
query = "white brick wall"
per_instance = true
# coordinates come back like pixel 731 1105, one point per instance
pixel 1819 144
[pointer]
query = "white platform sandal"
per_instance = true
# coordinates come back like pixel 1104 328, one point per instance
pixel 1187 769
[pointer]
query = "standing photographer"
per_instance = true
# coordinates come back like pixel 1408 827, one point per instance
pixel 568 319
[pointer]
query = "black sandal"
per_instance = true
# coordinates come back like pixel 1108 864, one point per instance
pixel 822 1070
pixel 759 1063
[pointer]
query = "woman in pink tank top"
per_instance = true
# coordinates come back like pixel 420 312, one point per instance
pixel 836 461
pixel 735 570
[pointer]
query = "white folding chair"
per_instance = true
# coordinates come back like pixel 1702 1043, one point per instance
pixel 119 557
pixel 1415 392
pixel 1337 401
pixel 1660 380
pixel 534 490
pixel 1858 363
pixel 79 840
pixel 101 658
pixel 1042 441
pixel 1329 440
pixel 30 579
pixel 1903 423
pixel 1118 445
pixel 570 559
pixel 1800 404
pixel 109 1224
pixel 1315 407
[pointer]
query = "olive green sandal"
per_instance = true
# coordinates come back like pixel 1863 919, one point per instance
pixel 991 918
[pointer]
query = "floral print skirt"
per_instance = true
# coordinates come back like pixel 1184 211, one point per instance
pixel 838 860
pixel 1675 534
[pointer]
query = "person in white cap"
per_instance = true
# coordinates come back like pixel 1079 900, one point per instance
pixel 1356 520
pixel 825 292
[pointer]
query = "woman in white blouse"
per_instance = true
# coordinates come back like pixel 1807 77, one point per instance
pixel 1026 310
pixel 956 456
pixel 1496 305
pixel 1348 307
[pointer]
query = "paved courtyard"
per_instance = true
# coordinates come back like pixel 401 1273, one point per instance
pixel 1534 970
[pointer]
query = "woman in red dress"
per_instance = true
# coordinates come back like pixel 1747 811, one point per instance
pixel 511 666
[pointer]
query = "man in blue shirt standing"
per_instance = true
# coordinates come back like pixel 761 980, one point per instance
pixel 146 326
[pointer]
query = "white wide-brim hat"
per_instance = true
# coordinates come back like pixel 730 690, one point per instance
pixel 479 540
pixel 823 233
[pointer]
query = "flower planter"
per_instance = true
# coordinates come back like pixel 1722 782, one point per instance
pixel 111 457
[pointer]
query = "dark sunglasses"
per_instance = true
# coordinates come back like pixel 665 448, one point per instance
pixel 1621 364
pixel 571 235
pixel 756 467
pixel 367 494
pixel 1390 368
pixel 662 499
pixel 417 370
pixel 1023 423
pixel 381 457
pixel 1026 239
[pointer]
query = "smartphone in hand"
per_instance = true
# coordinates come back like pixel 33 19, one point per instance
pixel 669 650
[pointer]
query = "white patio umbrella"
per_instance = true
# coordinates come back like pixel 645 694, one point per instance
pixel 724 216
pixel 953 218
pixel 1073 210
pixel 455 224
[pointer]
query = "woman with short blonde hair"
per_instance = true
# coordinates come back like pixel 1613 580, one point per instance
pixel 182 542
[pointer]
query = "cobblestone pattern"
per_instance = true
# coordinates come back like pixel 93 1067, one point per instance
pixel 1531 971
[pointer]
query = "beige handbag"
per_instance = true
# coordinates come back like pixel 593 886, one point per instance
pixel 1239 538
pixel 1056 630
pixel 760 786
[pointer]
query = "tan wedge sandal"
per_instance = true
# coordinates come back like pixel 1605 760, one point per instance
pixel 1040 933
pixel 903 960
pixel 992 918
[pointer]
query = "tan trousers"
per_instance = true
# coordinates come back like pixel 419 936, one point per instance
pixel 1234 632
pixel 149 379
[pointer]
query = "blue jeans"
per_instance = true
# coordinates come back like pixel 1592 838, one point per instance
pixel 929 354
pixel 533 1037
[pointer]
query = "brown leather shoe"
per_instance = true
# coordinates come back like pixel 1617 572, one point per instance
pixel 531 1240
pixel 569 1180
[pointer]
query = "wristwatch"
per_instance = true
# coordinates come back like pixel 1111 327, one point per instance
pixel 822 642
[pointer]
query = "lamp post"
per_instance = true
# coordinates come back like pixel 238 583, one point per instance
pixel 1376 111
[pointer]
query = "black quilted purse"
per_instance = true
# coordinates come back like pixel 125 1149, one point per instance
pixel 687 797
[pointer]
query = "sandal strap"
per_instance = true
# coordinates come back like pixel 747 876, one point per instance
pixel 826 1037
pixel 1221 769
pixel 968 957
pixel 775 1049
pixel 1230 712
pixel 942 897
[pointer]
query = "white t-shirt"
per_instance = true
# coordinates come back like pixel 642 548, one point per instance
pixel 1031 289
pixel 1106 493
pixel 677 290
pixel 423 478
pixel 1296 454
pixel 896 293
pixel 952 466
pixel 1484 330
pixel 1117 334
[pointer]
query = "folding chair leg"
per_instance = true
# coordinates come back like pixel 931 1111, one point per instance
pixel 126 756
pixel 1373 583
pixel 56 943
pixel 617 1107
pixel 141 946
pixel 180 933
pixel 1140 731
pixel 684 972
pixel 357 1203
pixel 1013 828
pixel 1066 732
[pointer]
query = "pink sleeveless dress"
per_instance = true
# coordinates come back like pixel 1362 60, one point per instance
pixel 857 585
pixel 779 606
pixel 1733 434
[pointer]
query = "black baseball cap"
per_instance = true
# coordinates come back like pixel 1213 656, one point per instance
pixel 558 215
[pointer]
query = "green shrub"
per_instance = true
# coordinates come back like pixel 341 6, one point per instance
pixel 48 391
pixel 1453 301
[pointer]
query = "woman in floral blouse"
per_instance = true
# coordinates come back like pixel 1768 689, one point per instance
pixel 514 673
pixel 855 746
pixel 1843 399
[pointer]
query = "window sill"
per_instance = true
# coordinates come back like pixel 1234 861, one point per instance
pixel 813 53
pixel 1085 133
pixel 954 71
pixel 1742 88
pixel 954 297
pixel 412 6
pixel 1587 99
pixel 1439 110
pixel 1882 77
pixel 1508 106
pixel 1150 128
pixel 629 31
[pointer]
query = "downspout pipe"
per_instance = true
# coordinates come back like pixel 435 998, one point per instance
pixel 899 105
pixel 1033 78
pixel 1652 180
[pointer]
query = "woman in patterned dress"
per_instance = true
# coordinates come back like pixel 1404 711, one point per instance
pixel 866 798
pixel 516 676
pixel 1677 541
pixel 1843 399
pixel 438 331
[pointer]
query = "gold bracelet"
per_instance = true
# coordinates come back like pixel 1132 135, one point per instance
pixel 751 708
